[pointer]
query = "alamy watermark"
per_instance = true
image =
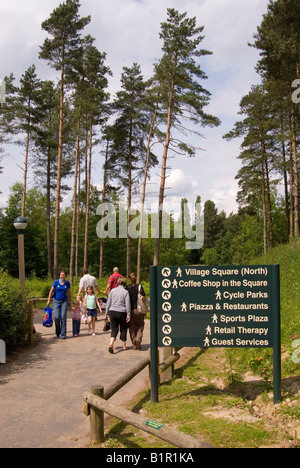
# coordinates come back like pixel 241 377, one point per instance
pixel 296 93
pixel 2 91
pixel 116 223
pixel 296 353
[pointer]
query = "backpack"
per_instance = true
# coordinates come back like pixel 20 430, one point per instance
pixel 48 322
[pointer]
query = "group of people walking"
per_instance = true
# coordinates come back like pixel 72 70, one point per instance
pixel 121 307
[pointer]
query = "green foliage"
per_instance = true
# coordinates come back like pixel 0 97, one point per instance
pixel 13 312
pixel 288 257
pixel 34 236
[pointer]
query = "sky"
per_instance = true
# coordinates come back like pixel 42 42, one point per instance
pixel 128 31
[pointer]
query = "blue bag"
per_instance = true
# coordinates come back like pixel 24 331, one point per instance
pixel 48 322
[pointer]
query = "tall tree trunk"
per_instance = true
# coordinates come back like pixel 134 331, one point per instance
pixel 48 214
pixel 264 205
pixel 88 190
pixel 77 223
pixel 291 191
pixel 270 217
pixel 139 255
pixel 285 178
pixel 163 174
pixel 129 198
pixel 58 183
pixel 25 170
pixel 102 219
pixel 74 215
pixel 296 175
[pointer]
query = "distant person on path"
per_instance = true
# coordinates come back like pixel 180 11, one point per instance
pixel 137 320
pixel 90 304
pixel 113 280
pixel 119 309
pixel 85 281
pixel 62 296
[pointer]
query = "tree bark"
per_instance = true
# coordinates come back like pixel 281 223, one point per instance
pixel 88 190
pixel 58 183
pixel 102 219
pixel 74 215
pixel 163 174
pixel 263 189
pixel 296 176
pixel 139 255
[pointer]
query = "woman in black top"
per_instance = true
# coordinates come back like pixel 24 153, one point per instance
pixel 137 320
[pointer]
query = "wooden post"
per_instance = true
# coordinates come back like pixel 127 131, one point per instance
pixel 30 322
pixel 96 419
pixel 167 374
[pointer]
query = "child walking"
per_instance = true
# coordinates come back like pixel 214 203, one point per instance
pixel 76 317
pixel 90 304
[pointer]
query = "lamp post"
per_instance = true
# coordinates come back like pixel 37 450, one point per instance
pixel 20 224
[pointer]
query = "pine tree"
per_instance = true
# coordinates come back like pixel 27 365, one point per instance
pixel 64 26
pixel 129 132
pixel 90 78
pixel 46 151
pixel 257 129
pixel 152 104
pixel 27 115
pixel 96 111
pixel 278 40
pixel 183 97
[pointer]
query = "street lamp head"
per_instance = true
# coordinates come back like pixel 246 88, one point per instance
pixel 20 224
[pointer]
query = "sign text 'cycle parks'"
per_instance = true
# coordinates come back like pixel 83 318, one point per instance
pixel 222 306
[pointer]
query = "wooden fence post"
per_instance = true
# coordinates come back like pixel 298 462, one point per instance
pixel 168 373
pixel 96 419
pixel 30 321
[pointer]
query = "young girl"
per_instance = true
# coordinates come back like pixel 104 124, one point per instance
pixel 90 304
pixel 76 317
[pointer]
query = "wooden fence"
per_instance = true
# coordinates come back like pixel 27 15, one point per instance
pixel 96 405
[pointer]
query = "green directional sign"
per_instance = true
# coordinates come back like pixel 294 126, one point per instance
pixel 222 306
pixel 216 306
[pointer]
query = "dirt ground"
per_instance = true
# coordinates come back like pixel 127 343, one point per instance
pixel 41 387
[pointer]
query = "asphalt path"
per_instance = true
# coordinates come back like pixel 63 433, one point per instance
pixel 41 387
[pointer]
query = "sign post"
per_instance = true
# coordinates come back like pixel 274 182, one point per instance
pixel 277 337
pixel 223 306
pixel 153 335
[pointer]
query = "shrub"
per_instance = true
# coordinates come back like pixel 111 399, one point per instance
pixel 14 312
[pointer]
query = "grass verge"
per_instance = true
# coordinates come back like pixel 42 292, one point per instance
pixel 205 401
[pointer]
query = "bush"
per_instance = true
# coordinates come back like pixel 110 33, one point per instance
pixel 14 312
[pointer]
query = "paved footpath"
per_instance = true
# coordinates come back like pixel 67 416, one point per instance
pixel 41 387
